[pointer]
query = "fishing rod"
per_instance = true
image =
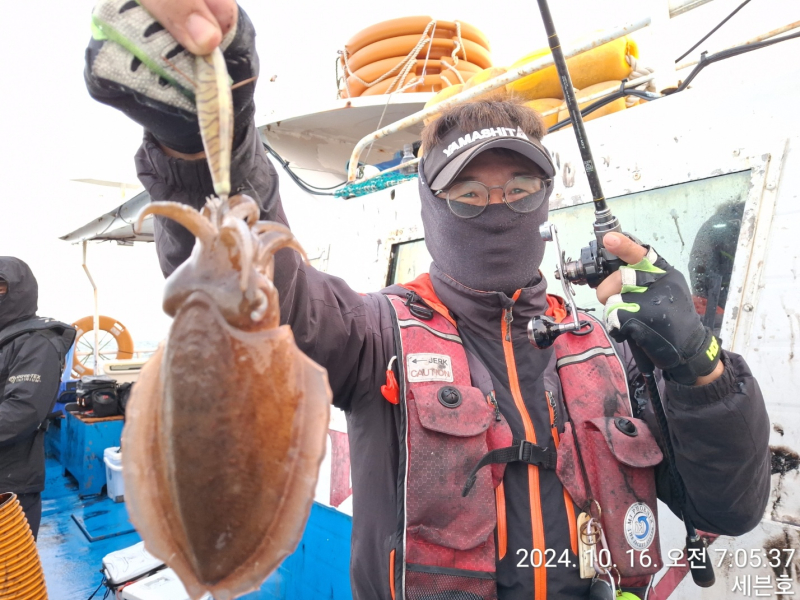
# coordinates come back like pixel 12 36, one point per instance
pixel 594 265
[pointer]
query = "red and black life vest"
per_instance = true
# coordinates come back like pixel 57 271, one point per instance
pixel 449 512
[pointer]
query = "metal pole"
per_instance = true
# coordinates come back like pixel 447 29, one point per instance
pixel 96 314
pixel 758 38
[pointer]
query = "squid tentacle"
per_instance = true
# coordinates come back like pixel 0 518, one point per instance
pixel 263 227
pixel 238 231
pixel 270 243
pixel 243 207
pixel 187 216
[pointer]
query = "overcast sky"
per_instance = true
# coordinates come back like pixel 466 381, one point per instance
pixel 52 132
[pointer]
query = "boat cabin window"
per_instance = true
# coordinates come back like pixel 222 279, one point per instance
pixel 408 260
pixel 694 225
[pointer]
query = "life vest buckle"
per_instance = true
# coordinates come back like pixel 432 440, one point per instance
pixel 417 306
pixel 525 451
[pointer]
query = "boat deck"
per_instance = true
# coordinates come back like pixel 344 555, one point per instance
pixel 76 534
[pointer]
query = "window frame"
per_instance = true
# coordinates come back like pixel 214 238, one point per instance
pixel 765 170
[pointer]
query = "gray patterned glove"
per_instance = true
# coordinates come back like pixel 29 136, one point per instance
pixel 136 66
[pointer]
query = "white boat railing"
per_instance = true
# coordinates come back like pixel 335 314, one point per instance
pixel 759 38
pixel 512 75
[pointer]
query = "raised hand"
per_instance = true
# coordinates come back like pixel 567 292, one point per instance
pixel 198 25
pixel 136 65
pixel 648 303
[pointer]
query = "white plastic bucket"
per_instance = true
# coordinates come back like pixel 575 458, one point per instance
pixel 115 486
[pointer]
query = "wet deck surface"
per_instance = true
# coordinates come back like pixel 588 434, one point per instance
pixel 71 562
pixel 318 569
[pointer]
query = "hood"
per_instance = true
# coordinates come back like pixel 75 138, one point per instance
pixel 21 301
pixel 498 251
pixel 481 312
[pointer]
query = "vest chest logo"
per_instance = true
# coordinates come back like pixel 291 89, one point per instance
pixel 425 366
pixel 640 526
pixel 30 377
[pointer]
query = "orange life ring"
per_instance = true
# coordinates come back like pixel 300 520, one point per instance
pixel 461 65
pixel 413 25
pixel 431 83
pixel 110 325
pixel 373 71
pixel 402 45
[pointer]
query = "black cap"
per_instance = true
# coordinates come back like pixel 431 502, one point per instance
pixel 444 161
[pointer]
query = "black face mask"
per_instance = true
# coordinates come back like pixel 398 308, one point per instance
pixel 497 251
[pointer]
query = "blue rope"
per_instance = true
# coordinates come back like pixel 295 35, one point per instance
pixel 382 182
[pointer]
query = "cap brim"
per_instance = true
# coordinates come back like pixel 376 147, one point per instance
pixel 526 148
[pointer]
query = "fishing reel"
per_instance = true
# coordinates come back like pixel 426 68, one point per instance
pixel 595 262
pixel 594 265
pixel 543 330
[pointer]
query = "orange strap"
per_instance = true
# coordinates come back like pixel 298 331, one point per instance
pixel 502 526
pixel 391 573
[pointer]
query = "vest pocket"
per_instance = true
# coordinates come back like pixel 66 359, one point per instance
pixel 619 458
pixel 448 426
pixel 434 583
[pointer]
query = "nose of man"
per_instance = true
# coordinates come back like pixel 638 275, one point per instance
pixel 496 195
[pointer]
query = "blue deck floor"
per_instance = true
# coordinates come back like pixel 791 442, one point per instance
pixel 318 569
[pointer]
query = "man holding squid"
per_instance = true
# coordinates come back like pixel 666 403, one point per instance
pixel 482 204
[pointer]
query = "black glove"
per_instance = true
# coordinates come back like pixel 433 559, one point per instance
pixel 136 66
pixel 655 311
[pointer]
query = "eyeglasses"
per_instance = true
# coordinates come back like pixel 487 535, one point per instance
pixel 468 199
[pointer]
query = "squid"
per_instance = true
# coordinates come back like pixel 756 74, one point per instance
pixel 226 426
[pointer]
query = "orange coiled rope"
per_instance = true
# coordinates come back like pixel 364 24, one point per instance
pixel 21 575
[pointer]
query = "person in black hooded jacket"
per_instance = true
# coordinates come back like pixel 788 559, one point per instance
pixel 32 351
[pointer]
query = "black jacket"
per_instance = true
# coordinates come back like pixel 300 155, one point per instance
pixel 32 351
pixel 720 431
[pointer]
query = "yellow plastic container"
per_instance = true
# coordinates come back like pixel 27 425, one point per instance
pixel 441 96
pixel 484 76
pixel 543 105
pixel 604 63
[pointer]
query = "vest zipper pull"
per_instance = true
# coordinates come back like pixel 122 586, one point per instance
pixel 509 317
pixel 493 402
pixel 551 399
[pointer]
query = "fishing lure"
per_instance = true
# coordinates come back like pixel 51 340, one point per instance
pixel 226 426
